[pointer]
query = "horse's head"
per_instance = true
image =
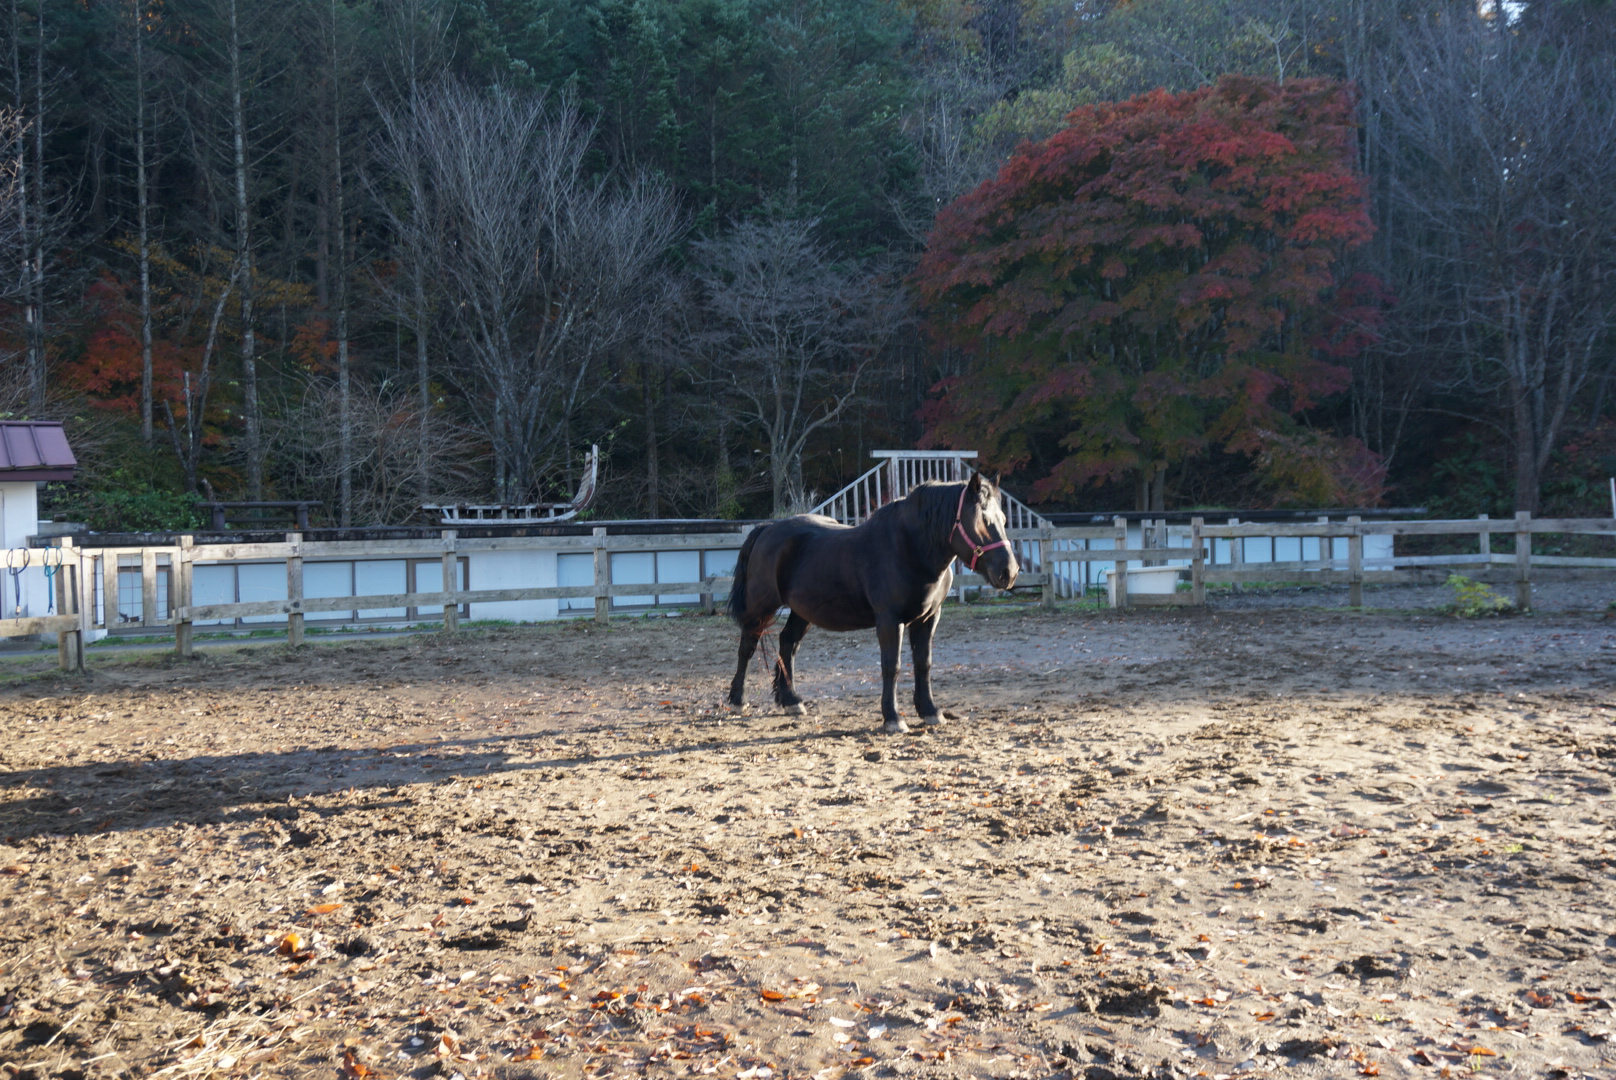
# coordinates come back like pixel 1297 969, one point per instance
pixel 979 537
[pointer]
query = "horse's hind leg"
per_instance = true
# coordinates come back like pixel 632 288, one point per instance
pixel 785 694
pixel 749 643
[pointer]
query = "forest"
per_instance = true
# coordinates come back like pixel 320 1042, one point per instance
pixel 1140 254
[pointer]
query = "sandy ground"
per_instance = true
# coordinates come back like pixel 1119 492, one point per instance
pixel 1251 841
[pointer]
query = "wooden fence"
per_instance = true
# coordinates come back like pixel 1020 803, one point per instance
pixel 1517 568
pixel 86 579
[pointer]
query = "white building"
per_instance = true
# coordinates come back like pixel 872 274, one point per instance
pixel 31 452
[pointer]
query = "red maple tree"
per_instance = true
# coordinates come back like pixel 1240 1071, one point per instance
pixel 108 369
pixel 1148 284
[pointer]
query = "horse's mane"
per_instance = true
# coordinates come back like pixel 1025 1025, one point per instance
pixel 935 503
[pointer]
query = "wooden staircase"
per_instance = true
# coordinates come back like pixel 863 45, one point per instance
pixel 897 472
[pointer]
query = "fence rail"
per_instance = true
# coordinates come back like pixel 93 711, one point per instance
pixel 86 582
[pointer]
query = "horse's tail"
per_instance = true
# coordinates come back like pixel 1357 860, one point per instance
pixel 737 589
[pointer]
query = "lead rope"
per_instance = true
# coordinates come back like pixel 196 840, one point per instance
pixel 16 571
pixel 763 650
pixel 50 575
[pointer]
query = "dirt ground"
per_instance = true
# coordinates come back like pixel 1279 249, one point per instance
pixel 1251 841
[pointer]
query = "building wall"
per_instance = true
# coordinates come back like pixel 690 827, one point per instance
pixel 26 593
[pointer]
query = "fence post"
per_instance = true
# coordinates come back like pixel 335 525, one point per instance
pixel 1119 569
pixel 451 582
pixel 1355 562
pixel 180 601
pixel 1197 563
pixel 84 577
pixel 603 575
pixel 70 601
pixel 294 590
pixel 1486 539
pixel 148 588
pixel 1046 547
pixel 109 589
pixel 1523 560
pixel 1237 556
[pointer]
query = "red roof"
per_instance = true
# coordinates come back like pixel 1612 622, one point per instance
pixel 35 450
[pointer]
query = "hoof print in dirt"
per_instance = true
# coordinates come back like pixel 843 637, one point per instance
pixel 1127 1067
pixel 476 942
pixel 358 945
pixel 1368 967
pixel 1296 1049
pixel 42 1033
pixel 711 962
pixel 1123 997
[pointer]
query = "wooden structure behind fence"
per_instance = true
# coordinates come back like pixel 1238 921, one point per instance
pixel 86 579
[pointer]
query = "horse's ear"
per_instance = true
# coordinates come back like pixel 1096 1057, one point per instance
pixel 974 488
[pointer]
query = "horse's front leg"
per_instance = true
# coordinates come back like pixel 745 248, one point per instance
pixel 920 632
pixel 785 675
pixel 890 634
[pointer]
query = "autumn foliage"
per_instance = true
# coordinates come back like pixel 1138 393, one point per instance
pixel 1154 283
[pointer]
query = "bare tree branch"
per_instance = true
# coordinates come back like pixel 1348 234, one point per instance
pixel 791 338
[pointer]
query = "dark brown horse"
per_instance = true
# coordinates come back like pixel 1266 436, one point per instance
pixel 890 572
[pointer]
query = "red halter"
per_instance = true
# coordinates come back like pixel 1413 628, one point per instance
pixel 977 551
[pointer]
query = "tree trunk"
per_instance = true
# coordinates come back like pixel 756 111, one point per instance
pixel 423 380
pixel 723 475
pixel 778 482
pixel 653 499
pixel 1526 471
pixel 35 315
pixel 340 251
pixel 143 229
pixel 253 443
pixel 24 188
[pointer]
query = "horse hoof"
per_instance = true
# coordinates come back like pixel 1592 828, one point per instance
pixel 894 727
pixel 933 720
pixel 799 709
